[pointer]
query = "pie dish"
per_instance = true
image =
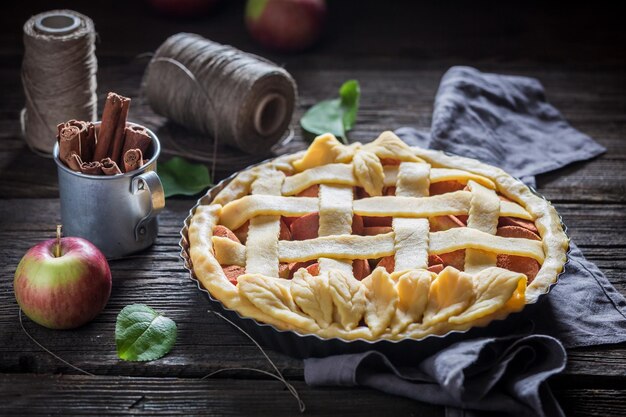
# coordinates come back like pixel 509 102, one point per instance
pixel 380 241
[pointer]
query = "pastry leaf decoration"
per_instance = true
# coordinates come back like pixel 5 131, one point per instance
pixel 388 145
pixel 273 298
pixel 494 287
pixel 325 149
pixel 348 295
pixel 369 172
pixel 312 295
pixel 382 300
pixel 450 294
pixel 412 287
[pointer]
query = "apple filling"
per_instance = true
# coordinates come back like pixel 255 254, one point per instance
pixel 306 227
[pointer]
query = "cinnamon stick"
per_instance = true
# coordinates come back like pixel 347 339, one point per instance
pixel 91 168
pixel 109 167
pixel 136 137
pixel 118 141
pixel 69 142
pixel 111 135
pixel 76 136
pixel 88 146
pixel 133 159
pixel 74 162
pixel 86 138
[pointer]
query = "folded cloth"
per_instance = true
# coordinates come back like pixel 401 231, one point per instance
pixel 507 122
pixel 503 376
pixel 502 120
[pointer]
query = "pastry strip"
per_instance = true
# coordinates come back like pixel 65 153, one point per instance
pixel 449 174
pixel 337 247
pixel 343 174
pixel 455 203
pixel 335 210
pixel 372 247
pixel 451 203
pixel 335 174
pixel 411 235
pixel 228 252
pixel 483 216
pixel 262 242
pixel 210 272
pixel 465 237
pixel 440 175
pixel 335 219
pixel 236 213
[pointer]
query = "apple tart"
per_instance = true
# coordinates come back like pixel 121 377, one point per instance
pixel 376 241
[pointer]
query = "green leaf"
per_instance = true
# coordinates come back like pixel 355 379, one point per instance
pixel 336 116
pixel 184 178
pixel 142 334
pixel 350 92
pixel 324 117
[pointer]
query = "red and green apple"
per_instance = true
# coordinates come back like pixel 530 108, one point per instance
pixel 285 25
pixel 62 283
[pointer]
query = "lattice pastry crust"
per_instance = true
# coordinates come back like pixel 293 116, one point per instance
pixel 409 300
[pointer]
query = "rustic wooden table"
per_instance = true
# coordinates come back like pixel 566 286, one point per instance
pixel 398 54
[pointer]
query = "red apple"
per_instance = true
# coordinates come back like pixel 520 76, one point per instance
pixel 64 287
pixel 285 25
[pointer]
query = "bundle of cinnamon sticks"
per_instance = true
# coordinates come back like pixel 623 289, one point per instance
pixel 111 148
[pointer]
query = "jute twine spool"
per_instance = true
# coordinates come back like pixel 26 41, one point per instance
pixel 237 98
pixel 58 74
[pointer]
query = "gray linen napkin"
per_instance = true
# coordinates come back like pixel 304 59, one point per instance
pixel 504 121
pixel 462 377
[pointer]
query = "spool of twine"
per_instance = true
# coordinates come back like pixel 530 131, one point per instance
pixel 241 99
pixel 58 74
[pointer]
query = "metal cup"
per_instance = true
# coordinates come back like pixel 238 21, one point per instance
pixel 117 213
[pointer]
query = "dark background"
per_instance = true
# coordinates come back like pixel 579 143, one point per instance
pixel 584 33
pixel 398 50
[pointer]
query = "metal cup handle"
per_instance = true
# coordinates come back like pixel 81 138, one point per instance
pixel 148 182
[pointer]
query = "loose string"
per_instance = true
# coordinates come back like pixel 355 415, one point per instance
pixel 59 79
pixel 57 357
pixel 278 375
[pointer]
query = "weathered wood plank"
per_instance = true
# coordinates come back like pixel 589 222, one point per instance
pixel 156 277
pixel 39 394
pixel 100 396
pixel 592 402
